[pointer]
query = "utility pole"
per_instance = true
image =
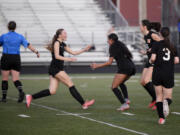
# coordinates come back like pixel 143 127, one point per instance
pixel 142 10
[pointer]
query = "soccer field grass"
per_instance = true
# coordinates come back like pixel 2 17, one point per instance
pixel 60 114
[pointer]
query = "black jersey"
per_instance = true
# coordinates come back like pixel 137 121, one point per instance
pixel 163 72
pixel 164 57
pixel 125 64
pixel 57 65
pixel 62 46
pixel 148 39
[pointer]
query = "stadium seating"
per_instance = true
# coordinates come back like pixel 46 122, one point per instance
pixel 38 20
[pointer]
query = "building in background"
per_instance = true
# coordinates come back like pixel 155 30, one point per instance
pixel 136 10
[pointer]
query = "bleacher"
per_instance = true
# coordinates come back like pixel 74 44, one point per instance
pixel 38 21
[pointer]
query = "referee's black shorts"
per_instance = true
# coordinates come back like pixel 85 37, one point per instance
pixel 166 79
pixel 11 62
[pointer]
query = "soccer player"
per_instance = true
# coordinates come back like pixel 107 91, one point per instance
pixel 10 60
pixel 126 68
pixel 56 70
pixel 149 37
pixel 164 56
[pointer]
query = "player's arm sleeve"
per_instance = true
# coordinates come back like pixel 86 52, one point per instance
pixel 24 42
pixel 111 51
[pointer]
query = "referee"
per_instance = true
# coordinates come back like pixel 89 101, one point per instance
pixel 11 61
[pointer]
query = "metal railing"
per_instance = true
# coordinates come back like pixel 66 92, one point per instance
pixel 38 20
pixel 71 21
pixel 113 13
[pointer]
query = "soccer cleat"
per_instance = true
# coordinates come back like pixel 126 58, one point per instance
pixel 123 107
pixel 165 108
pixel 87 104
pixel 127 101
pixel 21 97
pixel 3 100
pixel 161 121
pixel 28 100
pixel 152 104
pixel 154 107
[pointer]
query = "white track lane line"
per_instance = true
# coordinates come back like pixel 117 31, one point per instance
pixel 87 118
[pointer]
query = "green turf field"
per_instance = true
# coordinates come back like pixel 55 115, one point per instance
pixel 62 115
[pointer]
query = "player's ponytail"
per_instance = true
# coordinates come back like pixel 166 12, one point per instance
pixel 50 46
pixel 156 26
pixel 165 32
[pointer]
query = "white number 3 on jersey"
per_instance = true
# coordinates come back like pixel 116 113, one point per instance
pixel 167 54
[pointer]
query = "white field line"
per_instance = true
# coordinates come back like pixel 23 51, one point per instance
pixel 130 114
pixel 86 118
pixel 79 114
pixel 177 113
pixel 23 116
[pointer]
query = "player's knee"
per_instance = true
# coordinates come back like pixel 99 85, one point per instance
pixel 142 82
pixel 113 87
pixel 159 98
pixel 52 91
pixel 70 84
pixel 145 81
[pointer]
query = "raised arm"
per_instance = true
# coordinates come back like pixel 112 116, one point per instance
pixel 109 62
pixel 59 57
pixel 77 52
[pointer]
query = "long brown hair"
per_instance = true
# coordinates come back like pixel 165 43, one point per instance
pixel 165 32
pixel 50 46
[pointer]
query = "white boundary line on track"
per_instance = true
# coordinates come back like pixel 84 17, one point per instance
pixel 86 118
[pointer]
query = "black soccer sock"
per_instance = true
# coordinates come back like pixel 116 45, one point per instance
pixel 41 94
pixel 124 90
pixel 160 109
pixel 150 89
pixel 169 101
pixel 18 85
pixel 119 95
pixel 76 95
pixel 4 89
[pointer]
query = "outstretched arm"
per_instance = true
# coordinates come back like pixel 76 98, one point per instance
pixel 77 52
pixel 33 50
pixel 109 62
pixel 59 57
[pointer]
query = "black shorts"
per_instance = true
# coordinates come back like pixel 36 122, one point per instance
pixel 54 69
pixel 11 62
pixel 127 71
pixel 163 78
pixel 147 64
